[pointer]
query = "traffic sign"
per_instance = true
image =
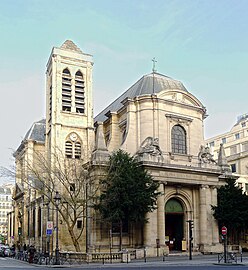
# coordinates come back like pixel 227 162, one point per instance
pixel 49 225
pixel 49 232
pixel 224 230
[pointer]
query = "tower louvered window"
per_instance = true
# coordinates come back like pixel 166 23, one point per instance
pixel 79 92
pixel 77 150
pixel 73 149
pixel 50 105
pixel 68 149
pixel 66 90
pixel 178 140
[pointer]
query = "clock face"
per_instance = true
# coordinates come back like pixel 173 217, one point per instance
pixel 73 136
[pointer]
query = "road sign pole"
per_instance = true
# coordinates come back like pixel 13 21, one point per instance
pixel 224 234
pixel 225 251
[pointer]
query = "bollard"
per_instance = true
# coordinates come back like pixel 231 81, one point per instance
pixel 163 256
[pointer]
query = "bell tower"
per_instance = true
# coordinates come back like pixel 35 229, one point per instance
pixel 69 108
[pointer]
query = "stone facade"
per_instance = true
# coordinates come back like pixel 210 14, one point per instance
pixel 159 122
pixel 235 144
pixel 5 208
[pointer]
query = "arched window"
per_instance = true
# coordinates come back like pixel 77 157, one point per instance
pixel 79 92
pixel 178 140
pixel 66 90
pixel 173 206
pixel 73 147
pixel 68 149
pixel 77 150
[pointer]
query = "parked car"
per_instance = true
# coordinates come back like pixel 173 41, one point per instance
pixel 7 252
pixel 1 251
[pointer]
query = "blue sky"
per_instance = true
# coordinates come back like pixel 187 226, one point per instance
pixel 204 44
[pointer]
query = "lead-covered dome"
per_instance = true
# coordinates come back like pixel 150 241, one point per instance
pixel 148 84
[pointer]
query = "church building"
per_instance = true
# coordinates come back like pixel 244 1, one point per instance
pixel 157 120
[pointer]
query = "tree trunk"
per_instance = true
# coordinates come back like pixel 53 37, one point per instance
pixel 120 235
pixel 142 233
pixel 74 240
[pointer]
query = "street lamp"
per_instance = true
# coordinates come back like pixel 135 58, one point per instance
pixel 57 200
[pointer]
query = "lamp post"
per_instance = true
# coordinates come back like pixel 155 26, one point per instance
pixel 57 200
pixel 48 236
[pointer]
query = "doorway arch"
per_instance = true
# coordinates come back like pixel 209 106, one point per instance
pixel 174 224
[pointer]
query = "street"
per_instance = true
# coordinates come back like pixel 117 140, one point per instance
pixel 201 262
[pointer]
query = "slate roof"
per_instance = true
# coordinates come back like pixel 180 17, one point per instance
pixel 148 84
pixel 70 46
pixel 37 131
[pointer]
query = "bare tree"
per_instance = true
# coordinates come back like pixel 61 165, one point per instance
pixel 72 178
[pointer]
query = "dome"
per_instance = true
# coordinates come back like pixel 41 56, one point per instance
pixel 148 84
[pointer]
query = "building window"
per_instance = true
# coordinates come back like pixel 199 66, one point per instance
pixel 77 150
pixel 116 227
pixel 68 149
pixel 72 187
pixel 79 92
pixel 233 167
pixel 237 136
pixel 243 124
pixel 66 90
pixel 50 103
pixel 223 140
pixel 178 140
pixel 211 144
pixel 73 147
pixel 79 224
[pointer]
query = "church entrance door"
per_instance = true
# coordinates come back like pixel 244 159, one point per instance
pixel 174 220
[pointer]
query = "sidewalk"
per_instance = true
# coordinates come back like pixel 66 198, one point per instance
pixel 175 260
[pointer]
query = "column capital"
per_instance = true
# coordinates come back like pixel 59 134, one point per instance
pixel 204 186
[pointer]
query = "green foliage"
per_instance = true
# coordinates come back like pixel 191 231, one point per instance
pixel 232 208
pixel 129 191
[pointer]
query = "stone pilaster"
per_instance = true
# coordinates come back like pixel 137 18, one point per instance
pixel 208 221
pixel 215 229
pixel 160 215
pixel 150 229
pixel 203 215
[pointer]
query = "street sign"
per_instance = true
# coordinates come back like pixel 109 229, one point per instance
pixel 49 232
pixel 49 225
pixel 224 230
